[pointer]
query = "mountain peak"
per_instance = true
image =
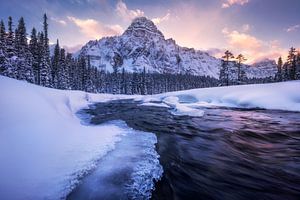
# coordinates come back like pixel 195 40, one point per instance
pixel 142 26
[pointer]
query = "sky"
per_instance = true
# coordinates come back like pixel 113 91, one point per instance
pixel 258 29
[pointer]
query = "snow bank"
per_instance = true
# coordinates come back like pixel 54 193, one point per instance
pixel 44 148
pixel 134 164
pixel 280 96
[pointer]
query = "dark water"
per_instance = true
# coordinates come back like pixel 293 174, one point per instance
pixel 226 154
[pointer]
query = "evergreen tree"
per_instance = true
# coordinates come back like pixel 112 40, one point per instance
pixel 240 58
pixel 10 39
pixel 45 79
pixel 143 82
pixel 279 69
pixel 123 82
pixel 34 50
pixel 46 39
pixel 227 56
pixel 2 35
pixel 70 71
pixel 292 63
pixel 298 66
pixel 20 38
pixel 4 65
pixel 24 60
pixel 55 65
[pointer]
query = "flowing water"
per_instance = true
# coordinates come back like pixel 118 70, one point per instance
pixel 226 154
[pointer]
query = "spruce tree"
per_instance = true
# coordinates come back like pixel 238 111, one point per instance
pixel 279 69
pixel 4 65
pixel 70 66
pixel 34 50
pixel 46 39
pixel 45 79
pixel 55 65
pixel 20 38
pixel 2 35
pixel 63 73
pixel 24 60
pixel 292 63
pixel 46 50
pixel 227 56
pixel 298 66
pixel 10 39
pixel 240 58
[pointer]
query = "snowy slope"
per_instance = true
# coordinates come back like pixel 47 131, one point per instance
pixel 281 96
pixel 44 148
pixel 262 69
pixel 143 45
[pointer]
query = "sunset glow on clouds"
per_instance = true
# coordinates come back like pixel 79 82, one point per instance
pixel 95 29
pixel 258 29
pixel 253 48
pixel 229 3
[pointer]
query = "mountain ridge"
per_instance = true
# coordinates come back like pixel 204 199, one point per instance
pixel 143 45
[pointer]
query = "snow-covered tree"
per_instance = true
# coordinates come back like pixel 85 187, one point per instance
pixel 24 57
pixel 45 77
pixel 224 73
pixel 55 65
pixel 279 69
pixel 34 50
pixel 240 59
pixel 298 66
pixel 291 61
pixel 4 64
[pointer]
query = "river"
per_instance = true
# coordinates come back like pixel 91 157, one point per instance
pixel 226 154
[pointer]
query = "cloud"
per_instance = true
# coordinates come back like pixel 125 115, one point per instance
pixel 159 20
pixel 127 14
pixel 253 48
pixel 95 29
pixel 246 27
pixel 216 52
pixel 59 21
pixel 72 49
pixel 229 3
pixel 242 40
pixel 293 28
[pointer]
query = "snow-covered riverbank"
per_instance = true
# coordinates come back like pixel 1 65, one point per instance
pixel 277 96
pixel 43 145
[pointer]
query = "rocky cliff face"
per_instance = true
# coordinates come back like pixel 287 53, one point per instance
pixel 143 45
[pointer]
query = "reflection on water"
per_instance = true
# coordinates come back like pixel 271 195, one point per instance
pixel 226 154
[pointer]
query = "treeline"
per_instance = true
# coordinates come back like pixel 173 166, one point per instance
pixel 30 60
pixel 25 60
pixel 289 70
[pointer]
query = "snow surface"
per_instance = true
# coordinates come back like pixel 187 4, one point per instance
pixel 134 163
pixel 280 96
pixel 44 149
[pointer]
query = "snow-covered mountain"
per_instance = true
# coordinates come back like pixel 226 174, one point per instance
pixel 143 45
pixel 262 69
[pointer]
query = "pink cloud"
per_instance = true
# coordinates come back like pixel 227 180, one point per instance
pixel 127 14
pixel 253 48
pixel 229 3
pixel 94 29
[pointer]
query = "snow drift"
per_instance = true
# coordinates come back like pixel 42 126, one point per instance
pixel 278 96
pixel 44 148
